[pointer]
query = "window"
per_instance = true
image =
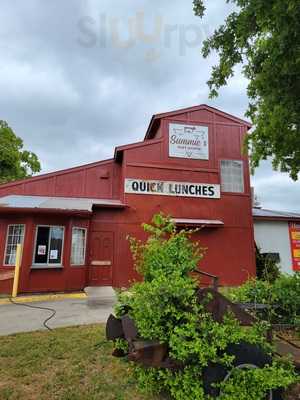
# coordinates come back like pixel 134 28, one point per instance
pixel 78 246
pixel 271 257
pixel 48 245
pixel 15 235
pixel 232 176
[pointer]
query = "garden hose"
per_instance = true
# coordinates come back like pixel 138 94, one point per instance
pixel 38 308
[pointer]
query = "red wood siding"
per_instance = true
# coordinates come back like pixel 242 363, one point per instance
pixel 230 249
pixel 87 181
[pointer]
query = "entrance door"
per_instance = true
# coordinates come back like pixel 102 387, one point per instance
pixel 101 258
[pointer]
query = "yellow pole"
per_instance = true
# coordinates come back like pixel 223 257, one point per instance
pixel 17 270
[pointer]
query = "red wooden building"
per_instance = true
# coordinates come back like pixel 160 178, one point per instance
pixel 73 223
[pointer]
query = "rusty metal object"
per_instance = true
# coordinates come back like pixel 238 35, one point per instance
pixel 114 328
pixel 152 353
pixel 129 328
pixel 214 278
pixel 149 353
pixel 292 393
pixel 218 305
pixel 284 347
pixel 255 306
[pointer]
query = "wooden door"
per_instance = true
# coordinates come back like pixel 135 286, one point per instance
pixel 101 258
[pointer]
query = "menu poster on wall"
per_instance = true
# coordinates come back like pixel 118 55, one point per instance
pixel 188 141
pixel 295 245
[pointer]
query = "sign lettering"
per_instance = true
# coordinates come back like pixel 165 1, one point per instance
pixel 171 188
pixel 295 245
pixel 188 141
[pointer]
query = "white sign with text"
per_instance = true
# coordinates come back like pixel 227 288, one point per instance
pixel 171 188
pixel 188 141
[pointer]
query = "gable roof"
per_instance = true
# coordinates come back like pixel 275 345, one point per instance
pixel 156 118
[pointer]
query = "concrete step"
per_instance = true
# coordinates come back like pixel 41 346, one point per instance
pixel 99 296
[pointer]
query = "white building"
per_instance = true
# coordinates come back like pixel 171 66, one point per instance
pixel 278 233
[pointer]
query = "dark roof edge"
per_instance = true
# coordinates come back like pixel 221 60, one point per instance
pixel 276 218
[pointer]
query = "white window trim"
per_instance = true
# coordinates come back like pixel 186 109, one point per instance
pixel 52 265
pixel 84 254
pixel 6 241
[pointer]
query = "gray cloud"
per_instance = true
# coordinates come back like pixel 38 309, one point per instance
pixel 74 83
pixel 276 190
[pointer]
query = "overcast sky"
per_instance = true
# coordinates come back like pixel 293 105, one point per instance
pixel 79 77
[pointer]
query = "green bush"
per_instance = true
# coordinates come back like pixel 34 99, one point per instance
pixel 165 308
pixel 286 293
pixel 283 295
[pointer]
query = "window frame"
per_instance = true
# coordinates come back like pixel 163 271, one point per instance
pixel 6 243
pixel 243 193
pixel 85 246
pixel 52 265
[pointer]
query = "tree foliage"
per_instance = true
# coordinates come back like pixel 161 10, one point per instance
pixel 15 163
pixel 264 36
pixel 164 307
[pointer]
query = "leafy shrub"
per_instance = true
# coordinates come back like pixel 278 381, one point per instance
pixel 253 291
pixel 283 295
pixel 165 308
pixel 286 293
pixel 254 383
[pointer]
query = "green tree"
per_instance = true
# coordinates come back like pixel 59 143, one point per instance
pixel 264 36
pixel 15 163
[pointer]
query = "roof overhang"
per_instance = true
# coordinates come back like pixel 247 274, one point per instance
pixel 209 223
pixel 55 205
pixel 261 214
pixel 45 211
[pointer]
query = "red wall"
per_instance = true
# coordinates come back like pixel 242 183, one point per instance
pixel 230 249
pixel 43 279
pixel 98 180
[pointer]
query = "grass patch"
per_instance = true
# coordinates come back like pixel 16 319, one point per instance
pixel 65 364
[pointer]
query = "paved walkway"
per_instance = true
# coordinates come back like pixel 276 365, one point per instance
pixel 69 312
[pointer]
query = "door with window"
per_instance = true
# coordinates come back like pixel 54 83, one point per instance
pixel 101 258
